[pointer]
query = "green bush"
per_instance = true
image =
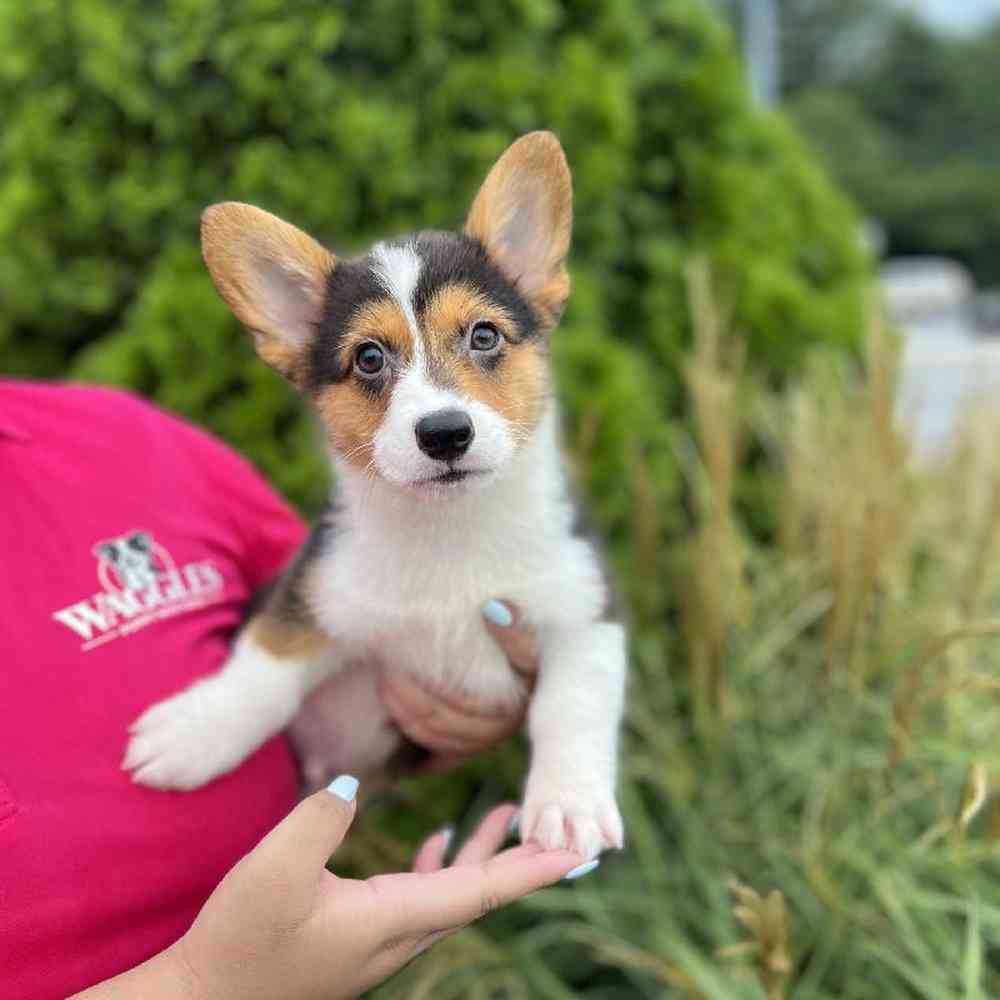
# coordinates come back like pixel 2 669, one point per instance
pixel 124 118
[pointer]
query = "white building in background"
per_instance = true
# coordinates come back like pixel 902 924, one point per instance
pixel 948 368
pixel 919 289
pixel 958 16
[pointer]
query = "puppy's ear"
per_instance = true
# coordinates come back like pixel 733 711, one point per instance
pixel 523 215
pixel 141 540
pixel 272 276
pixel 107 550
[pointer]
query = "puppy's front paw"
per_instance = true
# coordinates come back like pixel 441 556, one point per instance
pixel 585 821
pixel 185 741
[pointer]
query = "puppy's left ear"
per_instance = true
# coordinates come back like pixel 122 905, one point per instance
pixel 141 540
pixel 273 277
pixel 523 215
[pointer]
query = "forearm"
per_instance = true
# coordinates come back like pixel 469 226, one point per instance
pixel 577 705
pixel 569 798
pixel 162 977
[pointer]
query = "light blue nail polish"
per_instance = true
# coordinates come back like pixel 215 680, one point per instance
pixel 498 613
pixel 580 870
pixel 515 823
pixel 345 787
pixel 446 835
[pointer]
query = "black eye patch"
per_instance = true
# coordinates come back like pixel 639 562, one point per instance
pixel 350 286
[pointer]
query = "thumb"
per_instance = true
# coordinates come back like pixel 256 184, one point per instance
pixel 504 623
pixel 302 843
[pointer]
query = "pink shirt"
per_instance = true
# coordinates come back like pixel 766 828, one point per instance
pixel 129 545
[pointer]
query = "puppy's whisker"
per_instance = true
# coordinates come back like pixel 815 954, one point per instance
pixel 361 447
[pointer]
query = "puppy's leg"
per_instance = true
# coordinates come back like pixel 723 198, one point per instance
pixel 573 720
pixel 187 740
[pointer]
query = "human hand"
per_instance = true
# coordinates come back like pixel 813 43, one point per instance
pixel 453 727
pixel 279 924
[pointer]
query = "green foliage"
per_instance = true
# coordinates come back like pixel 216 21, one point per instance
pixel 358 120
pixel 911 133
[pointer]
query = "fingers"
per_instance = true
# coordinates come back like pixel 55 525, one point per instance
pixel 302 843
pixel 450 725
pixel 408 702
pixel 453 897
pixel 445 724
pixel 430 855
pixel 492 831
pixel 503 621
pixel 487 839
pixel 457 733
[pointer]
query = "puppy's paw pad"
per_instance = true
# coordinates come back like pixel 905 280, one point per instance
pixel 587 827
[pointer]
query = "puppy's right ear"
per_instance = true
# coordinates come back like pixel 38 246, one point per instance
pixel 272 276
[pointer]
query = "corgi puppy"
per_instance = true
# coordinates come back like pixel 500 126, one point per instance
pixel 427 361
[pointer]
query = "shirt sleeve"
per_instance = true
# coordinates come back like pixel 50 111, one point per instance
pixel 271 528
pixel 270 531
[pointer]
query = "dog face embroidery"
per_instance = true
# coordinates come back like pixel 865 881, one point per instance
pixel 131 557
pixel 427 357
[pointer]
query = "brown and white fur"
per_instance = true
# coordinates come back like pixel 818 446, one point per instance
pixel 425 525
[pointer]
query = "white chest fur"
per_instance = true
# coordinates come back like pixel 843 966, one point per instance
pixel 405 577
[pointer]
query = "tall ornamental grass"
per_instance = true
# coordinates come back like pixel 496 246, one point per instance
pixel 810 763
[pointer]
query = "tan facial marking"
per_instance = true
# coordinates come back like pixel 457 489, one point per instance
pixel 516 388
pixel 350 414
pixel 452 309
pixel 382 321
pixel 351 418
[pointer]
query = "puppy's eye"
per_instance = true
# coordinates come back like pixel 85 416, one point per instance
pixel 484 337
pixel 369 359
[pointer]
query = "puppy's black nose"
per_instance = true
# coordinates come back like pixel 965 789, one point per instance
pixel 445 435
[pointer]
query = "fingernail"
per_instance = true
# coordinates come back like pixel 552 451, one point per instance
pixel 446 834
pixel 498 613
pixel 345 787
pixel 515 822
pixel 580 870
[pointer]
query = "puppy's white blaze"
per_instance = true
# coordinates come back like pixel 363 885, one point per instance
pixel 397 455
pixel 398 271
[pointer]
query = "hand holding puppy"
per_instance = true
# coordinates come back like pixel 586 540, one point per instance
pixel 280 924
pixel 453 727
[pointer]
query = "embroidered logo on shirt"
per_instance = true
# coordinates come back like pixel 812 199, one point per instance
pixel 141 584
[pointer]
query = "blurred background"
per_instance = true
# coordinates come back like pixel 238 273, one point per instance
pixel 895 97
pixel 802 494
